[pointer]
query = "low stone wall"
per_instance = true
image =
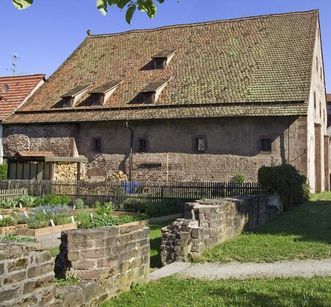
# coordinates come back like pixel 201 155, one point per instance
pixel 26 276
pixel 106 259
pixel 208 222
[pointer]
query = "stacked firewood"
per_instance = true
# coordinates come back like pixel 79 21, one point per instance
pixel 117 176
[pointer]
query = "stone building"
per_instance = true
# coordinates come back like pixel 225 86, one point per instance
pixel 195 102
pixel 14 92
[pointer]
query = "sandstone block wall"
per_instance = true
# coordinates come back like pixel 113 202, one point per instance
pixel 106 259
pixel 26 276
pixel 209 222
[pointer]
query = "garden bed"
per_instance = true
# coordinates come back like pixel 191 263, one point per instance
pixel 12 229
pixel 46 230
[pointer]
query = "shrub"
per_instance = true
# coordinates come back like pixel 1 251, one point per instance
pixel 3 171
pixel 40 217
pixel 8 203
pixel 52 200
pixel 165 207
pixel 7 221
pixel 78 203
pixel 134 205
pixel 103 208
pixel 286 181
pixel 238 179
pixel 26 200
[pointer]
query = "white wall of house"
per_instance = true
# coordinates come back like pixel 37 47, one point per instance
pixel 317 115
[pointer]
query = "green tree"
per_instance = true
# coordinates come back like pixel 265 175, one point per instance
pixel 146 6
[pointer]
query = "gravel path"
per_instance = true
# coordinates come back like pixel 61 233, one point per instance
pixel 236 270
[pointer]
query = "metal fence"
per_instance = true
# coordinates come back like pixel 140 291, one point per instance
pixel 104 190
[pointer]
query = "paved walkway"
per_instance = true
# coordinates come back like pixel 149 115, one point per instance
pixel 236 270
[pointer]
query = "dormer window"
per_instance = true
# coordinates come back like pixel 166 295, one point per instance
pixel 162 59
pixel 101 94
pixel 71 98
pixel 152 91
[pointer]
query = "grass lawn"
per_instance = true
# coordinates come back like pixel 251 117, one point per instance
pixel 301 233
pixel 155 240
pixel 272 292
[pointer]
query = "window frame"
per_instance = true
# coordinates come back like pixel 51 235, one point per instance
pixel 195 144
pixel 97 144
pixel 265 138
pixel 139 149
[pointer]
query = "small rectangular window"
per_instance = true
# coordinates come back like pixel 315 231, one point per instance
pixel 96 144
pixel 143 145
pixel 200 144
pixel 265 144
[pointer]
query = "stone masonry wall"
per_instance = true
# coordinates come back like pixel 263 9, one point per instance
pixel 60 139
pixel 106 259
pixel 232 146
pixel 209 222
pixel 26 276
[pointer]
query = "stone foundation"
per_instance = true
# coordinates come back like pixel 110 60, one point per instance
pixel 106 260
pixel 26 276
pixel 209 222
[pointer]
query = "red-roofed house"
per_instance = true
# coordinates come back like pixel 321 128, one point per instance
pixel 14 92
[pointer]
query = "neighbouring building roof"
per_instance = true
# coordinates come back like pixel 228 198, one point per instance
pixel 19 88
pixel 255 66
pixel 34 153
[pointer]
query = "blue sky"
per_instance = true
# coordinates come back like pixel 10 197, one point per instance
pixel 44 35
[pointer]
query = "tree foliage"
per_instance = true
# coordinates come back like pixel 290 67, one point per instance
pixel 147 6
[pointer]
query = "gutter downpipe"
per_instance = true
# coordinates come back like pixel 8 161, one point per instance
pixel 131 149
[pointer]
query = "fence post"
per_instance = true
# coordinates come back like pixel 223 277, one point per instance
pixel 78 188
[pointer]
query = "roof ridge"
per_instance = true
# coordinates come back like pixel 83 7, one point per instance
pixel 203 23
pixel 22 76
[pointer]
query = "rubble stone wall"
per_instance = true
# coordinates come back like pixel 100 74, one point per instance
pixel 209 222
pixel 26 276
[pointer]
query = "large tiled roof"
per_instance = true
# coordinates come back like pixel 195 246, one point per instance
pixel 255 66
pixel 19 87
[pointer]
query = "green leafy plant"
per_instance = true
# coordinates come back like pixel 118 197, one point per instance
pixel 15 238
pixel 134 205
pixel 7 221
pixel 26 200
pixel 52 200
pixel 237 179
pixel 286 181
pixel 3 171
pixel 131 6
pixel 8 203
pixel 69 281
pixel 78 203
pixel 103 208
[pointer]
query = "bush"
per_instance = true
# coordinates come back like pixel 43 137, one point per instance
pixel 78 203
pixel 286 181
pixel 26 201
pixel 3 171
pixel 165 207
pixel 53 200
pixel 134 205
pixel 238 179
pixel 8 203
pixel 103 208
pixel 7 221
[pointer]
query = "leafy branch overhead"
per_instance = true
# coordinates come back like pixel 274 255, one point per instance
pixel 131 6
